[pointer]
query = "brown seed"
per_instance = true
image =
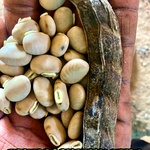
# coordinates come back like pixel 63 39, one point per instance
pixel 75 125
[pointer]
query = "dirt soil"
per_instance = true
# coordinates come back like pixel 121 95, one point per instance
pixel 141 72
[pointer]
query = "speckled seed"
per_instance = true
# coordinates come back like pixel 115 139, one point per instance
pixel 27 106
pixel 53 109
pixel 77 96
pixel 11 70
pixel 74 71
pixel 47 24
pixel 19 57
pixel 77 39
pixel 66 117
pixel 24 25
pixel 72 54
pixel 17 88
pixel 51 4
pixel 75 125
pixel 59 45
pixel 39 113
pixel 47 65
pixel 74 144
pixel 55 130
pixel 61 95
pixel 64 19
pixel 5 104
pixel 36 43
pixel 43 91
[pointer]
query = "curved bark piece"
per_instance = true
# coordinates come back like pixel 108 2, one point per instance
pixel 105 59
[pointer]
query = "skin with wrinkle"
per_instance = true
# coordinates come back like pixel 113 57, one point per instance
pixel 126 11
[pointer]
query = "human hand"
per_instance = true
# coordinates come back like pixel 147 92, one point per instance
pixel 17 131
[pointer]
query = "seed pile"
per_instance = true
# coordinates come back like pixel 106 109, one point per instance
pixel 44 71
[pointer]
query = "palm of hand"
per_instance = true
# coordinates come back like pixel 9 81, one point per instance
pixel 22 132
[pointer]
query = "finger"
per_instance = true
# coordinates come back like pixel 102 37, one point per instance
pixel 13 10
pixel 3 32
pixel 127 15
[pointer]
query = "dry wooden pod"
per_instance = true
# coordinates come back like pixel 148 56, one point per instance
pixel 74 71
pixel 11 70
pixel 59 45
pixel 75 125
pixel 27 106
pixel 77 96
pixel 43 90
pixel 36 43
pixel 61 95
pixel 19 57
pixel 55 130
pixel 53 109
pixel 66 117
pixel 39 113
pixel 72 54
pixel 77 39
pixel 17 88
pixel 5 104
pixel 46 65
pixel 64 19
pixel 51 4
pixel 72 144
pixel 24 25
pixel 47 24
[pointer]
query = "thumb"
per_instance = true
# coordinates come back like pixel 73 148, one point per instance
pixel 3 32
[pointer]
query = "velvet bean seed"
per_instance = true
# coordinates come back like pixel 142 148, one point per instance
pixel 55 130
pixel 64 19
pixel 43 91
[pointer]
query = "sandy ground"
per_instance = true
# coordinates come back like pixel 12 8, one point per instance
pixel 141 72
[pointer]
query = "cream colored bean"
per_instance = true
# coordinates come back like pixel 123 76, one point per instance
pixel 11 70
pixel 46 65
pixel 10 39
pixel 47 24
pixel 74 71
pixel 72 54
pixel 77 39
pixel 39 113
pixel 74 144
pixel 14 54
pixel 43 91
pixel 59 45
pixel 5 104
pixel 53 109
pixel 84 81
pixel 24 25
pixel 66 117
pixel 27 106
pixel 36 43
pixel 64 19
pixel 4 79
pixel 55 130
pixel 30 74
pixel 61 95
pixel 77 96
pixel 17 88
pixel 75 125
pixel 51 4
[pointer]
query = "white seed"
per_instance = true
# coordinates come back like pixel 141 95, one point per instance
pixel 51 4
pixel 47 24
